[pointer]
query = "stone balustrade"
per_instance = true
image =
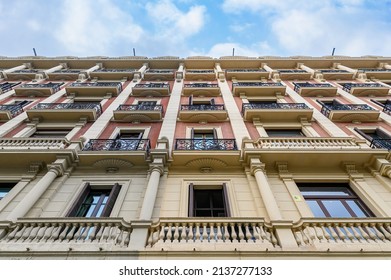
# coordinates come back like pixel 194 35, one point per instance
pixel 33 143
pixel 113 231
pixel 211 231
pixel 339 231
pixel 306 143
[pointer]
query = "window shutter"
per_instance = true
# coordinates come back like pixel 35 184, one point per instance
pixel 212 101
pixel 191 200
pixel 192 133
pixel 111 200
pixel 79 200
pixel 191 100
pixel 226 201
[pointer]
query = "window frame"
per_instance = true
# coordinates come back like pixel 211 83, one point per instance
pixel 86 190
pixel 194 187
pixel 319 199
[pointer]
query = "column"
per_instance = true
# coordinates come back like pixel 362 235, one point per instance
pixel 86 73
pixel 55 68
pixel 308 130
pixel 305 68
pixel 179 73
pixel 139 74
pixel 342 67
pixel 220 72
pixel 152 189
pixel 3 73
pixel 258 169
pixel 259 126
pixel 56 169
pixel 273 73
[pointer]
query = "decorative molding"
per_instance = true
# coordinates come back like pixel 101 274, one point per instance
pixel 112 164
pixel 206 163
pixel 350 168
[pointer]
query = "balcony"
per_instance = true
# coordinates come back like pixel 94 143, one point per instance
pixel 65 74
pixel 113 74
pixel 64 234
pixel 350 112
pixel 374 73
pixel 276 112
pixel 201 89
pixel 123 153
pixel 159 75
pixel 344 234
pixel 60 112
pixel 97 89
pixel 317 153
pixel 200 75
pixel 34 150
pixel 24 74
pixel 206 144
pixel 366 89
pixel 294 74
pixel 138 113
pixel 4 87
pixel 203 112
pixel 151 89
pixel 8 112
pixel 379 143
pixel 246 74
pixel 38 89
pixel 315 89
pixel 211 234
pixel 336 74
pixel 258 89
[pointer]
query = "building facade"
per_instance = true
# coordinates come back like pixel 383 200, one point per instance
pixel 158 158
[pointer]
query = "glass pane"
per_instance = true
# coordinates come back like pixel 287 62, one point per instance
pixel 99 213
pixel 315 208
pixel 201 199
pixel 336 209
pixel 217 199
pixel 203 213
pixel 325 191
pixel 356 208
pixel 90 211
pixel 284 133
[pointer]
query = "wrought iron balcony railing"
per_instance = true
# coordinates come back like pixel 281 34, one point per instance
pixel 200 85
pixel 374 70
pixel 271 106
pixel 26 71
pixel 195 71
pixel 246 70
pixel 4 87
pixel 117 145
pixel 291 71
pixel 14 109
pixel 106 70
pixel 333 71
pixel 69 106
pixel 203 107
pixel 256 84
pixel 54 86
pixel 307 84
pixel 140 108
pixel 381 143
pixel 206 144
pixel 160 71
pixel 67 71
pixel 118 85
pixel 348 86
pixel 153 85
pixel 326 108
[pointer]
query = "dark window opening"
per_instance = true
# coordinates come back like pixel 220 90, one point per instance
pixel 205 202
pixel 285 133
pixel 5 188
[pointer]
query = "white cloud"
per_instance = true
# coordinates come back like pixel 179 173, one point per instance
pixel 92 27
pixel 240 27
pixel 227 49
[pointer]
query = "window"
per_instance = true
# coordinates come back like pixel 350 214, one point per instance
pixel 94 202
pixel 5 189
pixel 208 201
pixel 285 133
pixel 335 200
pixel 377 137
pixel 123 135
pixel 22 102
pixel 50 133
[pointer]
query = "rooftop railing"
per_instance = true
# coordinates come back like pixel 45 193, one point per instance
pixel 206 144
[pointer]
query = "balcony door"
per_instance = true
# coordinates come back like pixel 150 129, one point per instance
pixel 127 140
pixel 377 137
pixel 204 139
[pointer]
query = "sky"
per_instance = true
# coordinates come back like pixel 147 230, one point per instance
pixel 186 28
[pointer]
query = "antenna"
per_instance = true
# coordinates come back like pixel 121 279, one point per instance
pixel 333 52
pixel 233 51
pixel 134 52
pixel 35 53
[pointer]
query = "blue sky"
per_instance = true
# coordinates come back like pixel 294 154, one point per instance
pixel 190 27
